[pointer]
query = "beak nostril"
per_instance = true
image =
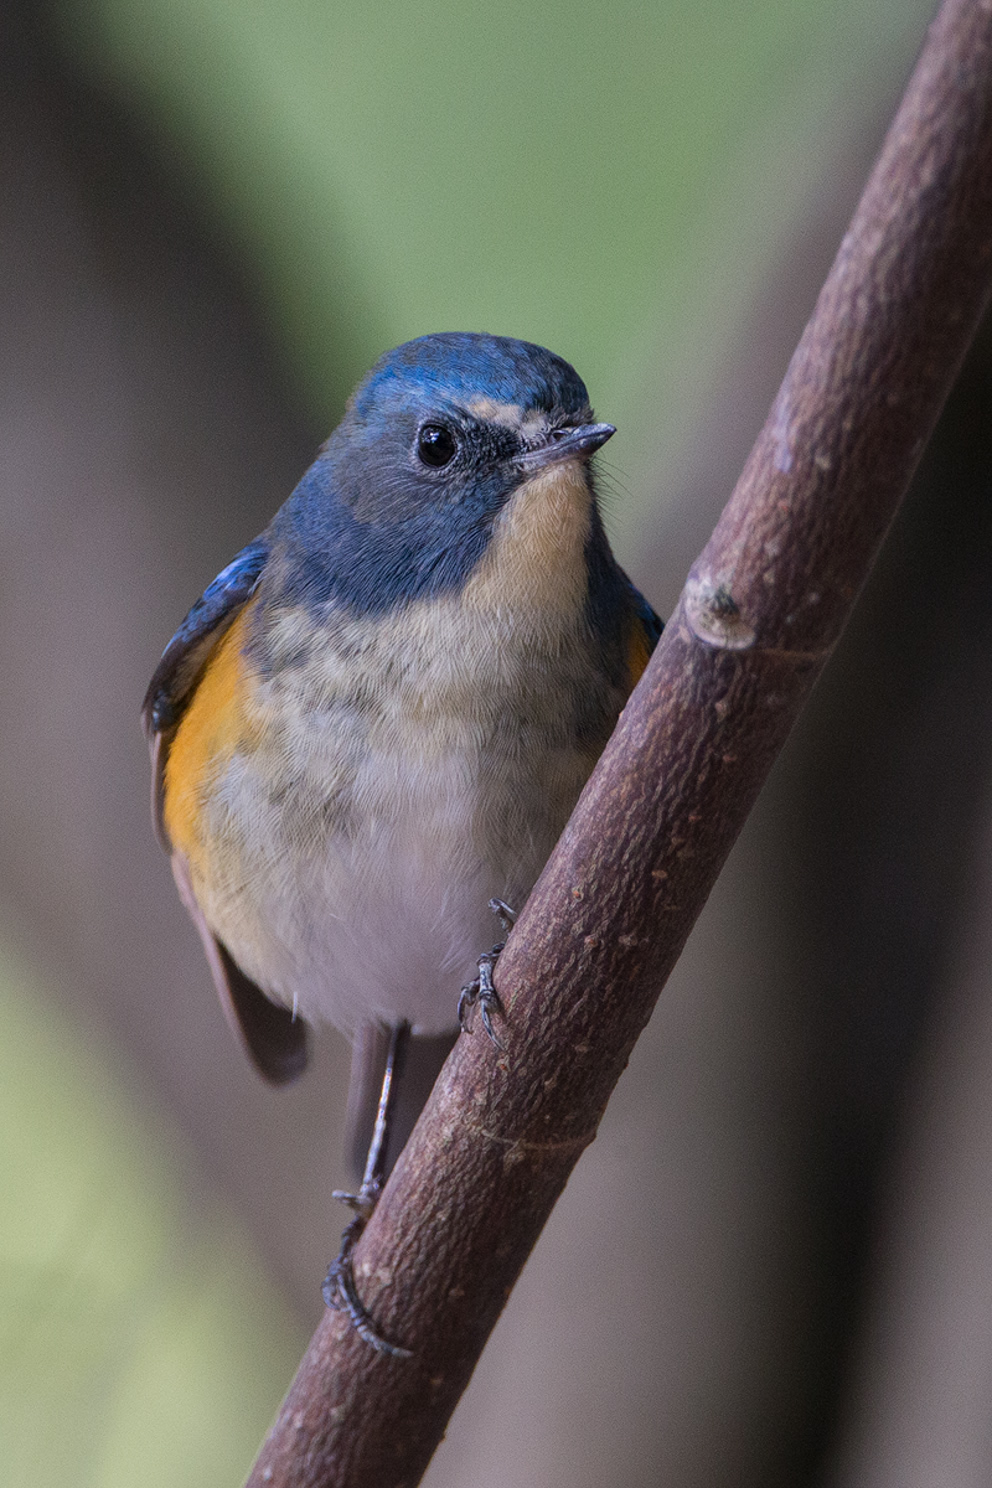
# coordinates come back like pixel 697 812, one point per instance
pixel 565 442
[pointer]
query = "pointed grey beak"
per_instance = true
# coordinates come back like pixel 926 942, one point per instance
pixel 568 444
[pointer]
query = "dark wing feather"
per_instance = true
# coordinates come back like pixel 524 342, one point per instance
pixel 650 620
pixel 184 658
pixel 275 1040
pixel 271 1036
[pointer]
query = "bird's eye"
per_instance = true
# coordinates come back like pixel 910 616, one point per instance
pixel 436 445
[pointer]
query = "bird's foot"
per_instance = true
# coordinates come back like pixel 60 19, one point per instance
pixel 339 1289
pixel 506 916
pixel 481 993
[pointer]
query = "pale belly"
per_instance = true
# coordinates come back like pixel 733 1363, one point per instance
pixel 357 886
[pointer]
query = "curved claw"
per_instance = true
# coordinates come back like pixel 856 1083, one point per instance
pixel 482 991
pixel 487 1022
pixel 488 996
pixel 340 1292
pixel 467 998
pixel 506 916
pixel 483 994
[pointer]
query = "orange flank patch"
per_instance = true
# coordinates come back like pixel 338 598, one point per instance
pixel 208 735
pixel 638 651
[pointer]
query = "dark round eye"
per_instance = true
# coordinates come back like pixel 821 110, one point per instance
pixel 436 445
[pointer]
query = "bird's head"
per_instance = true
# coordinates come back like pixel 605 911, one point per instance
pixel 446 439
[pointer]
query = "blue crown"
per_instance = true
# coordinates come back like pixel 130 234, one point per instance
pixel 460 364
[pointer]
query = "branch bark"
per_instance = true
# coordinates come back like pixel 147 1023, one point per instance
pixel 760 613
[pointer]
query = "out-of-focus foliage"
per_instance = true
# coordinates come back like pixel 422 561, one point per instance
pixel 142 1342
pixel 607 180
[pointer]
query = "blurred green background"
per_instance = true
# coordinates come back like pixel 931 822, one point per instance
pixel 219 213
pixel 610 181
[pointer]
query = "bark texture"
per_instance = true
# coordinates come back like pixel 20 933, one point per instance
pixel 760 612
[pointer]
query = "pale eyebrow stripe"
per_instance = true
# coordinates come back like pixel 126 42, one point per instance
pixel 510 415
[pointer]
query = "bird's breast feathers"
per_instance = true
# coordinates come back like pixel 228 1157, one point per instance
pixel 349 792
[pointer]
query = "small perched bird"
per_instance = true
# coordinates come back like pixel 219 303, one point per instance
pixel 379 717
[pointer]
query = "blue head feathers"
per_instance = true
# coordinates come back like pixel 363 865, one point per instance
pixel 462 367
pixel 402 500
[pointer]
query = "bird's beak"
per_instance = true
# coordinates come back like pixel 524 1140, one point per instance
pixel 568 444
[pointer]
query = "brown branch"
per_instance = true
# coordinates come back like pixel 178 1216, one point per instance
pixel 762 608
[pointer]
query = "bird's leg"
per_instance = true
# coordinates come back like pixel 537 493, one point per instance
pixel 482 991
pixel 339 1289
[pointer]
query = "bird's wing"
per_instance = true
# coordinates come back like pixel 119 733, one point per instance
pixel 275 1040
pixel 645 633
pixel 186 655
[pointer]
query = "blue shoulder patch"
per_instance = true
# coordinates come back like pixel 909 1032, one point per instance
pixel 184 656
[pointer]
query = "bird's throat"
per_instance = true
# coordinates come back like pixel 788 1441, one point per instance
pixel 536 557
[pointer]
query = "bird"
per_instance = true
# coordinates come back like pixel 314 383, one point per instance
pixel 377 719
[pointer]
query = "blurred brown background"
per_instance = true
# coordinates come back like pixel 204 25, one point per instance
pixel 772 1266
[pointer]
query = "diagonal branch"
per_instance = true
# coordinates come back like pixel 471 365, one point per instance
pixel 759 615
